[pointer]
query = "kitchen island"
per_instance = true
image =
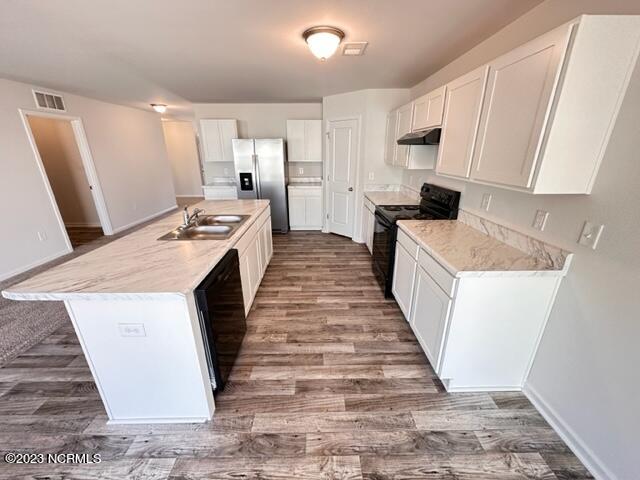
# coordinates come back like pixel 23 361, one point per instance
pixel 132 306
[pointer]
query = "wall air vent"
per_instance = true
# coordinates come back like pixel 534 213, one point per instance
pixel 354 49
pixel 48 101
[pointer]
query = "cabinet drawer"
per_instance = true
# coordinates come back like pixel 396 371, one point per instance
pixel 295 191
pixel 408 244
pixel 444 279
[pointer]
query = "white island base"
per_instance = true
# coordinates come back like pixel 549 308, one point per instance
pixel 147 358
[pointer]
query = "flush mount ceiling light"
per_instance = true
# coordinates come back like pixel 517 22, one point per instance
pixel 159 107
pixel 323 41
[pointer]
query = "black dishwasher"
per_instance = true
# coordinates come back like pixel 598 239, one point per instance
pixel 222 321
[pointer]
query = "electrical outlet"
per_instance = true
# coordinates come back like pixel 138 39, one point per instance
pixel 371 175
pixel 132 330
pixel 590 235
pixel 134 205
pixel 540 220
pixel 301 170
pixel 486 201
pixel 226 171
pixel 42 236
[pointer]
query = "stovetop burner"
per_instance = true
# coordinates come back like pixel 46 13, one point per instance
pixel 392 208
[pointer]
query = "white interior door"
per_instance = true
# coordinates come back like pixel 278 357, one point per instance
pixel 341 179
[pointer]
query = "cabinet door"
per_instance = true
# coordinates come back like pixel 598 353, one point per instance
pixel 313 211
pixel 295 140
pixel 245 278
pixel 211 146
pixel 255 264
pixel 371 224
pixel 313 140
pixel 516 107
pixel 403 127
pixel 390 145
pixel 429 316
pixel 403 278
pixel 460 123
pixel 265 245
pixel 228 131
pixel 297 211
pixel 427 110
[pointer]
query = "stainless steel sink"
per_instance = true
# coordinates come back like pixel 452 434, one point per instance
pixel 207 227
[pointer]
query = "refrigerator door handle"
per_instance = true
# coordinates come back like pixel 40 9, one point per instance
pixel 256 169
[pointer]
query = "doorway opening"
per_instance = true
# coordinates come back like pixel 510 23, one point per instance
pixel 58 143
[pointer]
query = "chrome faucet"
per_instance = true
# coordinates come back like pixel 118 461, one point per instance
pixel 188 219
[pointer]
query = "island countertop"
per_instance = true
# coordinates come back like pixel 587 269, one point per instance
pixel 465 251
pixel 139 265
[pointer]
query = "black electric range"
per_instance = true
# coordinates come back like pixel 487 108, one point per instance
pixel 436 203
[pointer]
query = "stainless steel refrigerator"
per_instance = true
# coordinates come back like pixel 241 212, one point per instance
pixel 261 173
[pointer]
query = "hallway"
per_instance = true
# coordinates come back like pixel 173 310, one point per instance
pixel 330 384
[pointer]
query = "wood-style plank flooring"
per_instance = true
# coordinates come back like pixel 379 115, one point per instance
pixel 330 384
pixel 83 235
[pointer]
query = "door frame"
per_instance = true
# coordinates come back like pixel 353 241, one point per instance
pixel 328 164
pixel 87 163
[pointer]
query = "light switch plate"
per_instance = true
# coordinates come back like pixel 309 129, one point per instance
pixel 226 171
pixel 371 175
pixel 590 235
pixel 301 171
pixel 540 220
pixel 42 236
pixel 132 330
pixel 486 201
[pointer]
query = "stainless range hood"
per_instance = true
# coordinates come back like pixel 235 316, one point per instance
pixel 425 137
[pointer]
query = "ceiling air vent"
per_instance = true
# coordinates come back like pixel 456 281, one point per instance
pixel 354 49
pixel 49 101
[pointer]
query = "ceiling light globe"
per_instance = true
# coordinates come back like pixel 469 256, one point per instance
pixel 323 41
pixel 159 107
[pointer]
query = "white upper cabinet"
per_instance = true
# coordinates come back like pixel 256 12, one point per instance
pixel 427 110
pixel 550 106
pixel 390 145
pixel 460 123
pixel 403 126
pixel 216 135
pixel 304 140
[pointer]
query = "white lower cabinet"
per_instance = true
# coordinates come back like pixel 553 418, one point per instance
pixel 430 312
pixel 368 223
pixel 479 331
pixel 305 207
pixel 404 271
pixel 255 249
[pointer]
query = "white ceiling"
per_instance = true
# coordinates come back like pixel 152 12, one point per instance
pixel 179 51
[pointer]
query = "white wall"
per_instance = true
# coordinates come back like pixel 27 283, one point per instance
pixel 62 161
pixel 585 371
pixel 255 120
pixel 182 150
pixel 129 155
pixel 372 107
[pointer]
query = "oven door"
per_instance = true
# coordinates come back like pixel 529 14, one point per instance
pixel 383 240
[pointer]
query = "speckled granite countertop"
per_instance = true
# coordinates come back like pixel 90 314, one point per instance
pixel 139 265
pixel 391 198
pixel 305 184
pixel 465 251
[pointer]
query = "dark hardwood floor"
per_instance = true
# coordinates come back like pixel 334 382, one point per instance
pixel 83 235
pixel 330 384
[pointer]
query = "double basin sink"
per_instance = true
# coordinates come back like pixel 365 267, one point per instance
pixel 207 227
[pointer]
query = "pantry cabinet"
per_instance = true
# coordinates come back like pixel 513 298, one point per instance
pixel 304 140
pixel 216 135
pixel 460 123
pixel 428 109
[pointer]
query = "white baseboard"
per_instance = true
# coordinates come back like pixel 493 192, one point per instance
pixel 145 219
pixel 35 264
pixel 133 421
pixel 589 459
pixel 198 195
